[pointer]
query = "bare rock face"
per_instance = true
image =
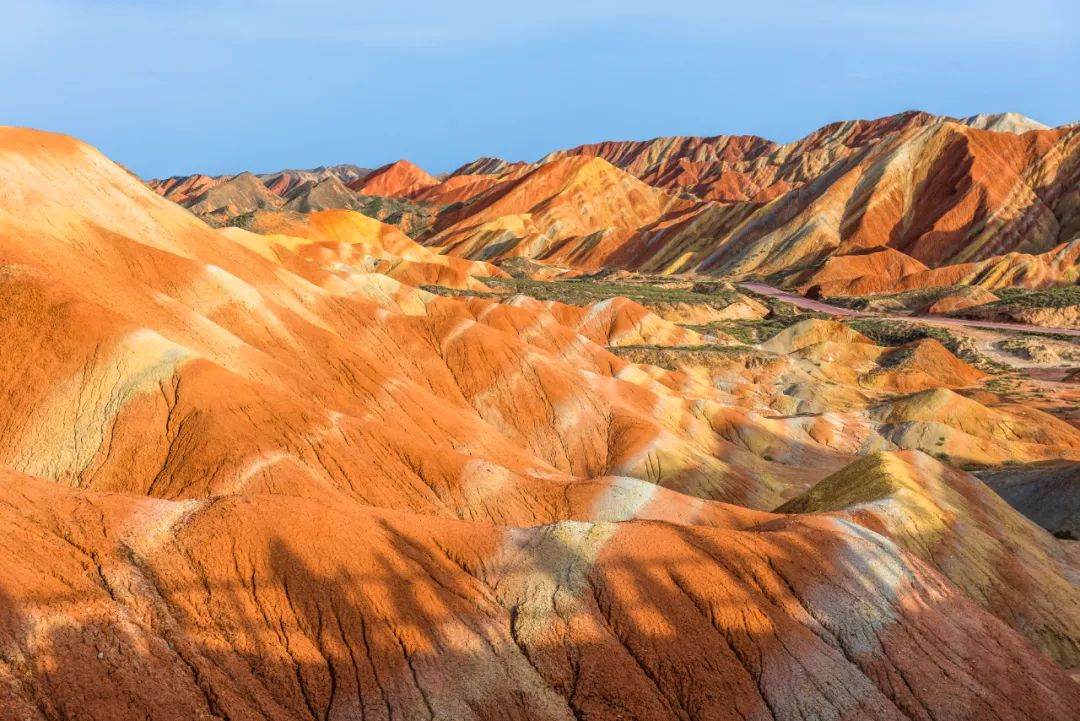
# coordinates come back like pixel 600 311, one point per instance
pixel 267 475
pixel 1003 122
pixel 397 179
pixel 337 611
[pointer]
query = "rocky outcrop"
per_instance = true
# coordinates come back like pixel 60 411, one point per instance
pixel 397 179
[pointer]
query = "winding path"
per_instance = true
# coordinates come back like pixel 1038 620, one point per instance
pixel 822 307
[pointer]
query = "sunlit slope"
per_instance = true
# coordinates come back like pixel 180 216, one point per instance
pixel 257 476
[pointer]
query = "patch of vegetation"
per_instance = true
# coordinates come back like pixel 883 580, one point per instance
pixel 411 217
pixel 1046 298
pixel 744 331
pixel 896 358
pixel 583 291
pixel 1036 349
pixel 708 348
pixel 894 332
pixel 670 357
pixel 1005 384
pixel 750 331
pixel 461 292
pixel 781 308
pixel 888 332
pixel 908 299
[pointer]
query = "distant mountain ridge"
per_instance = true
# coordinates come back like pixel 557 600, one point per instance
pixel 857 206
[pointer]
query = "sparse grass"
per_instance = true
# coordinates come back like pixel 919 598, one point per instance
pixel 1005 384
pixel 909 299
pixel 1046 298
pixel 888 332
pixel 897 358
pixel 894 333
pixel 411 216
pixel 1041 335
pixel 1008 298
pixel 779 308
pixel 708 348
pixel 1061 351
pixel 744 331
pixel 583 291
pixel 460 292
pixel 669 357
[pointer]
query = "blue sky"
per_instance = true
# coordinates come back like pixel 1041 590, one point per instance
pixel 169 88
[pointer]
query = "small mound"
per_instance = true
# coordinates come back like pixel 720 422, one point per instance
pixel 236 196
pixel 1003 122
pixel 810 332
pixel 338 243
pixel 869 479
pixel 920 365
pixel 955 523
pixel 325 194
pixel 963 297
pixel 866 273
pixel 945 423
pixel 744 308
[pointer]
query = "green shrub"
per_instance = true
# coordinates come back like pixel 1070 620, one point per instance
pixel 1046 298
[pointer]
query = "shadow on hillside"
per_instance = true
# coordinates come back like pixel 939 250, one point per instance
pixel 582 621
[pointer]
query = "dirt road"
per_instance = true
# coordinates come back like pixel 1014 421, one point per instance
pixel 943 321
